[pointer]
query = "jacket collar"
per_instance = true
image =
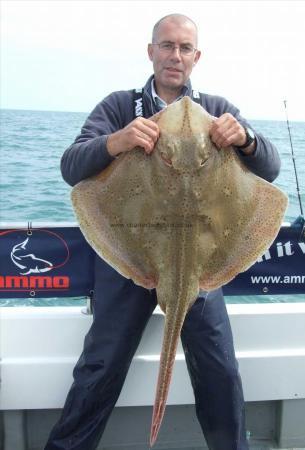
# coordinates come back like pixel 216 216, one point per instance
pixel 186 90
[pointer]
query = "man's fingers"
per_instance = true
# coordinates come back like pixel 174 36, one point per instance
pixel 140 132
pixel 145 133
pixel 225 122
pixel 226 131
pixel 226 140
pixel 147 145
pixel 145 141
pixel 149 128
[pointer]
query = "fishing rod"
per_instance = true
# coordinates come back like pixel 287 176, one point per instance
pixel 295 170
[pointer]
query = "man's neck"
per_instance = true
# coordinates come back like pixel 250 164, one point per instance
pixel 169 96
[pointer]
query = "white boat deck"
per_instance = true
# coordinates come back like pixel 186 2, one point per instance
pixel 39 347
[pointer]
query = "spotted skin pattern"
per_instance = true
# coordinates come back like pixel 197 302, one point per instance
pixel 185 217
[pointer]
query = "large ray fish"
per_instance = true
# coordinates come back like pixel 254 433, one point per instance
pixel 186 217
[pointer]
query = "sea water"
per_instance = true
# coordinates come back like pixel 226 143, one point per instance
pixel 32 189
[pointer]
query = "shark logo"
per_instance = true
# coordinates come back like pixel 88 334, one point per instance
pixel 28 261
pixel 33 256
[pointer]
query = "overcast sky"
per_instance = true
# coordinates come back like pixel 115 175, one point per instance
pixel 66 55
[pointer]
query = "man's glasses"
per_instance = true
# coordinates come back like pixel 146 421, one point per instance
pixel 169 47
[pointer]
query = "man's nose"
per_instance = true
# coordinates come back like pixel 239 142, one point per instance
pixel 176 54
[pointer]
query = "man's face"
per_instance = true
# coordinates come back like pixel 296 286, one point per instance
pixel 172 69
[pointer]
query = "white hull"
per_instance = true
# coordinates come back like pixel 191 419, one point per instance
pixel 40 346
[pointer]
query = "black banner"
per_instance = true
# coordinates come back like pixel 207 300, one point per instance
pixel 58 262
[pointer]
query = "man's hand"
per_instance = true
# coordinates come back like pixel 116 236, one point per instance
pixel 140 132
pixel 226 131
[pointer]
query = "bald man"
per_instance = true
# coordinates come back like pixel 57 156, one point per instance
pixel 122 309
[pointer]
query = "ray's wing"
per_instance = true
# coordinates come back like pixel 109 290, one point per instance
pixel 239 220
pixel 105 209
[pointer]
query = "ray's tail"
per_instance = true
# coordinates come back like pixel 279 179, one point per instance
pixel 173 323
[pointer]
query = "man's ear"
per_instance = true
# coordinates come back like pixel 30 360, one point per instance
pixel 150 50
pixel 197 57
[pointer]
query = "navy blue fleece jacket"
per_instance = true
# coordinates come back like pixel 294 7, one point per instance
pixel 88 154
